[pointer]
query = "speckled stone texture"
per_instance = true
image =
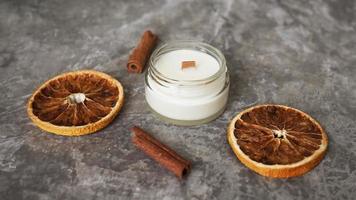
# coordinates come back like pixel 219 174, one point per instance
pixel 298 53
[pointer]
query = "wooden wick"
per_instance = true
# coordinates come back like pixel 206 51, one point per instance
pixel 188 64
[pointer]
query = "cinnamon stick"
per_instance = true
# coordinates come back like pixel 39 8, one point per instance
pixel 160 152
pixel 141 53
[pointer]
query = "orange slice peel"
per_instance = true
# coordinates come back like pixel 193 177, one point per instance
pixel 277 141
pixel 76 103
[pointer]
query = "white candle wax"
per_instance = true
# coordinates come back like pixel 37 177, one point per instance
pixel 170 64
pixel 184 99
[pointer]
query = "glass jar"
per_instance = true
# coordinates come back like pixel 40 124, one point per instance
pixel 187 97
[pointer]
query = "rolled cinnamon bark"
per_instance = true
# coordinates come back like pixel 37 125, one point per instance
pixel 160 152
pixel 141 53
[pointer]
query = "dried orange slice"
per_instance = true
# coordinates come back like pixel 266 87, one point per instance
pixel 76 103
pixel 277 141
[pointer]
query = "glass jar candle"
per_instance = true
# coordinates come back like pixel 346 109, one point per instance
pixel 187 96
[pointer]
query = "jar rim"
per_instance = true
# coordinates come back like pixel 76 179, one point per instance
pixel 191 45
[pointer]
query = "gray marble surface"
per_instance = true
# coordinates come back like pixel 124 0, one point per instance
pixel 298 53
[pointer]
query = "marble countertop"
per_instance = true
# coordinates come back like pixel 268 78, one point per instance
pixel 297 53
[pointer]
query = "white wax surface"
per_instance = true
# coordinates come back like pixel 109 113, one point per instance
pixel 185 108
pixel 169 64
